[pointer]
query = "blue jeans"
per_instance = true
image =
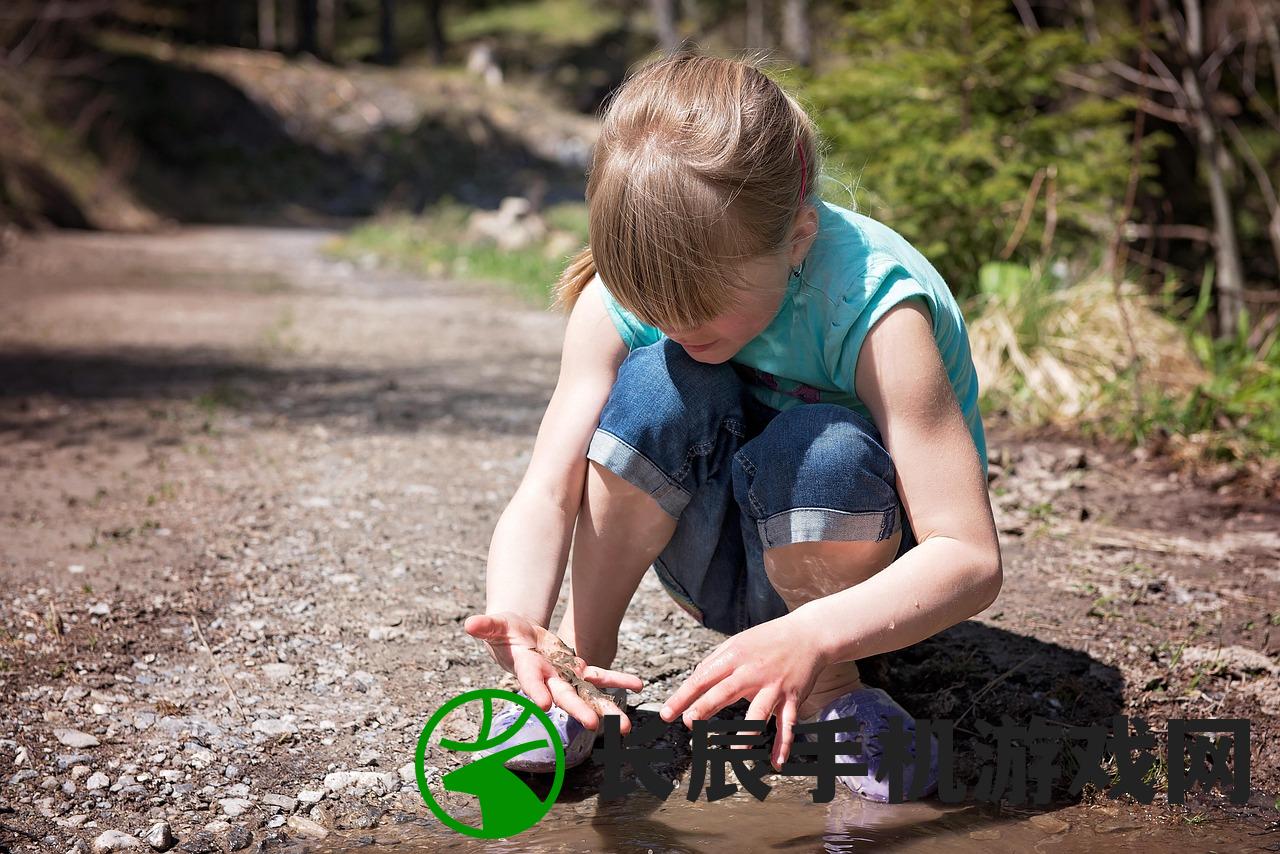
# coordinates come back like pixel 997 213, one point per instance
pixel 740 477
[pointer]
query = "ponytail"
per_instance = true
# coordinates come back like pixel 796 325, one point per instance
pixel 576 276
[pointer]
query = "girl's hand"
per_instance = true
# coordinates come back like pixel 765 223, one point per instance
pixel 774 664
pixel 520 647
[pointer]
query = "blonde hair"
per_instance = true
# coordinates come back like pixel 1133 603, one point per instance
pixel 701 163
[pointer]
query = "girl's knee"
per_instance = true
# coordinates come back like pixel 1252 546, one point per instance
pixel 663 381
pixel 818 472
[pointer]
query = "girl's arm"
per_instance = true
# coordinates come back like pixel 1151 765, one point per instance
pixel 956 570
pixel 530 544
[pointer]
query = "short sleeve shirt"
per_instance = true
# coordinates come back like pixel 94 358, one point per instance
pixel 856 270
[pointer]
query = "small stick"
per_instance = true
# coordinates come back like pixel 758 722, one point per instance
pixel 450 550
pixel 996 681
pixel 562 658
pixel 230 691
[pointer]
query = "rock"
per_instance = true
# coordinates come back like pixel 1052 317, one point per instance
pixel 70 760
pixel 275 839
pixel 362 681
pixel 408 773
pixel 306 827
pixel 218 826
pixel 114 840
pixel 274 728
pixel 513 226
pixel 239 838
pixel 283 801
pixel 277 671
pixel 1049 824
pixel 367 757
pixel 984 835
pixel 201 842
pixel 75 738
pixel 160 836
pixel 377 782
pixel 234 807
pixel 231 772
pixel 311 796
pixel 101 609
pixel 78 847
pixel 358 816
pixel 97 780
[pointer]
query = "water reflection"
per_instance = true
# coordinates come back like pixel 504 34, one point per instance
pixel 787 820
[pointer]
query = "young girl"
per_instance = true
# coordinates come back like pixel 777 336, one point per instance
pixel 767 398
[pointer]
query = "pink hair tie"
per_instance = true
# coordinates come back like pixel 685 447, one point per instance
pixel 804 169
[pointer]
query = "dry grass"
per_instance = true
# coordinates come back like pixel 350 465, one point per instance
pixel 1063 356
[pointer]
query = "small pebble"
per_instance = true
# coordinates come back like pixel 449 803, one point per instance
pixel 160 836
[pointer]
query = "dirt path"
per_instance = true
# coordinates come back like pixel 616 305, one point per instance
pixel 247 497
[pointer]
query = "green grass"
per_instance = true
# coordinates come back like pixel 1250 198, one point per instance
pixel 436 244
pixel 552 22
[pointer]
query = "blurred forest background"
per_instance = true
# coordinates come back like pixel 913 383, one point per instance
pixel 1097 180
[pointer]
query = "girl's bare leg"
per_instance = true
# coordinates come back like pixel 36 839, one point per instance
pixel 801 572
pixel 620 530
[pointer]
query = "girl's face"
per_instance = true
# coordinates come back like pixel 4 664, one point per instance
pixel 757 304
pixel 719 339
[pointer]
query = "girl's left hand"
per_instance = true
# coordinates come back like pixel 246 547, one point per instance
pixel 773 664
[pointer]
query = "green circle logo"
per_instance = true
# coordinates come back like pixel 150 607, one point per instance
pixel 507 804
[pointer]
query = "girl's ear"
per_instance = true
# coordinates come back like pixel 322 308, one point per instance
pixel 803 233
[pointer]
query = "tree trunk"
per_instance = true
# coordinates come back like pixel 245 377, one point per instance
pixel 288 36
pixel 267 25
pixel 326 27
pixel 307 26
pixel 664 24
pixel 796 36
pixel 1214 159
pixel 387 31
pixel 230 22
pixel 436 42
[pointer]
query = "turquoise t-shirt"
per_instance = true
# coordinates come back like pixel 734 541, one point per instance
pixel 856 270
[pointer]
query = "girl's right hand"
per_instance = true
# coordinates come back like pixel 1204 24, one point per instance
pixel 514 642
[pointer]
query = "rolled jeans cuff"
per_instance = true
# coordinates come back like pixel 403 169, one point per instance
pixel 638 470
pixel 810 524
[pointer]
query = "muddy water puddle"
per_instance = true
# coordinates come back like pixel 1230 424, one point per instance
pixel 788 820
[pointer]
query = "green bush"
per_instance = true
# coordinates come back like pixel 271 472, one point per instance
pixel 943 112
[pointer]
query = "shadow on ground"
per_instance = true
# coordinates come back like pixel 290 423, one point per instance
pixel 441 395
